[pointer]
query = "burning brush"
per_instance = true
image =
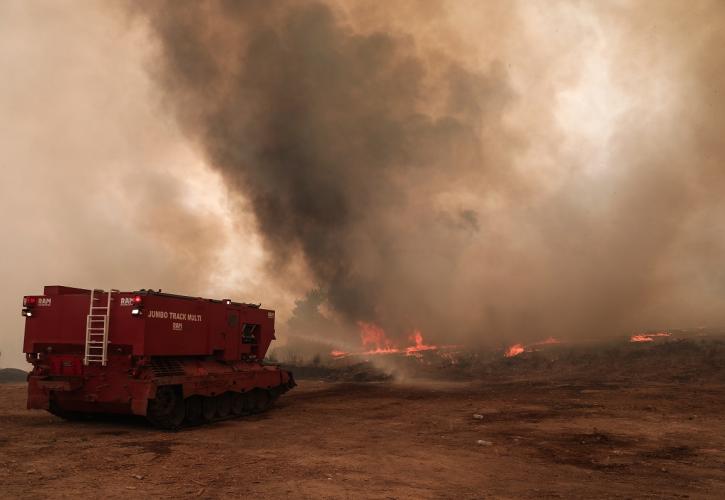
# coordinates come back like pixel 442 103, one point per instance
pixel 517 349
pixel 375 342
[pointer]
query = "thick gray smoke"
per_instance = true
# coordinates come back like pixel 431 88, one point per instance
pixel 403 176
pixel 96 187
pixel 339 139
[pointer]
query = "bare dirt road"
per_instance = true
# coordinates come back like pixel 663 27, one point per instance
pixel 387 440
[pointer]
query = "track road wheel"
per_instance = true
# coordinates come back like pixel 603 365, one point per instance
pixel 261 400
pixel 209 408
pixel 225 404
pixel 167 409
pixel 274 394
pixel 67 415
pixel 238 404
pixel 194 410
pixel 248 402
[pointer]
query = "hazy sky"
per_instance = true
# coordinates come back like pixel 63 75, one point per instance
pixel 484 171
pixel 98 188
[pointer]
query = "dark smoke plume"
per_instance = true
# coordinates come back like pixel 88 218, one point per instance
pixel 333 135
pixel 392 167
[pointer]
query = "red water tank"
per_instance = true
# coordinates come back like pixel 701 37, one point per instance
pixel 176 359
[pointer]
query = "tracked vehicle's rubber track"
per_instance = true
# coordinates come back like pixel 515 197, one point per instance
pixel 71 416
pixel 172 412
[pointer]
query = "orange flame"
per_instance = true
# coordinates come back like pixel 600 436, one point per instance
pixel 647 337
pixel 375 342
pixel 514 350
pixel 374 339
pixel 517 349
pixel 419 346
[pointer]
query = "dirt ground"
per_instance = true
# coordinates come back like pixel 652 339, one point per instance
pixel 391 440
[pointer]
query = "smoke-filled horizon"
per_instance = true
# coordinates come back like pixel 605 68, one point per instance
pixel 423 188
pixel 484 172
pixel 341 141
pixel 98 188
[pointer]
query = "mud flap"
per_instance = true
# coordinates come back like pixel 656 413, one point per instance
pixel 291 382
pixel 141 391
pixel 38 397
pixel 139 406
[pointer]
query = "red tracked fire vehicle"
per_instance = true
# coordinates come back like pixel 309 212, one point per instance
pixel 175 359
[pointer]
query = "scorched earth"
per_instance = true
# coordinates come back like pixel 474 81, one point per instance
pixel 509 437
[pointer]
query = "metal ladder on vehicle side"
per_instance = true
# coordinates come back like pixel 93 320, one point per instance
pixel 97 329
